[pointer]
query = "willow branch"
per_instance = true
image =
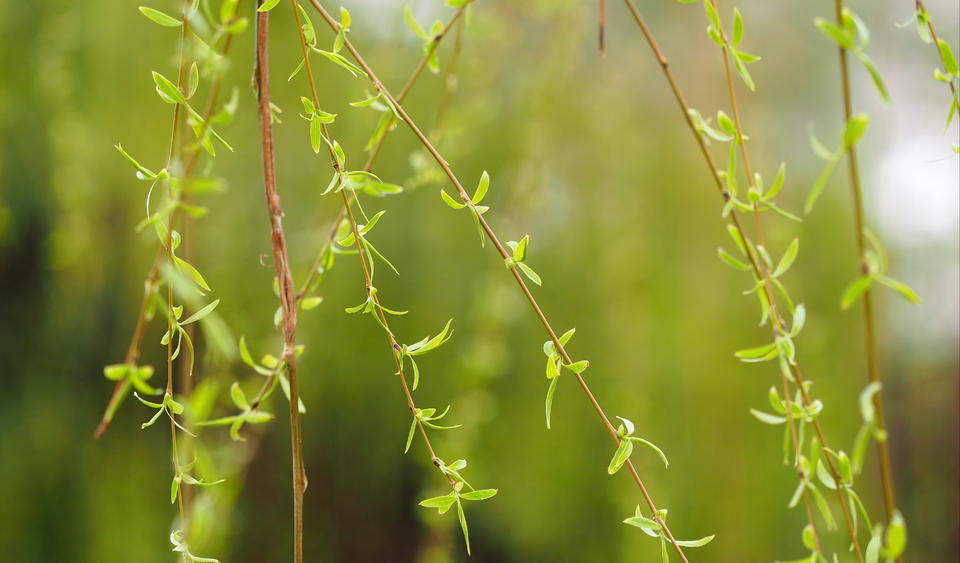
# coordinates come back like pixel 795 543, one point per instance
pixel 153 274
pixel 281 264
pixel 873 375
pixel 936 42
pixel 538 311
pixel 748 170
pixel 375 151
pixel 778 324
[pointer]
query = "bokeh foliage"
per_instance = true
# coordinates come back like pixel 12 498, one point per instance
pixel 586 154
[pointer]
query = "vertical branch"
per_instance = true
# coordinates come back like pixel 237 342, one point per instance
pixel 171 318
pixel 375 151
pixel 883 450
pixel 282 268
pixel 153 274
pixel 761 236
pixel 760 272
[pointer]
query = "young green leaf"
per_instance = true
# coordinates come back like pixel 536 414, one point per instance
pixel 159 17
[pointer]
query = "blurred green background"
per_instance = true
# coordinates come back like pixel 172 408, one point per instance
pixel 587 154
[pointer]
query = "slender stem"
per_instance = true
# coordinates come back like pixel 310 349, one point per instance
pixel 282 267
pixel 391 339
pixel 761 273
pixel 379 86
pixel 171 318
pixel 741 141
pixel 873 375
pixel 347 210
pixel 153 274
pixel 341 214
pixel 375 151
pixel 936 44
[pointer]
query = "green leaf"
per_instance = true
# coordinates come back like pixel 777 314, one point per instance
pixel 854 130
pixel 731 261
pixel 711 11
pixel 651 527
pixel 821 183
pixel 832 31
pixel 159 17
pixel 652 446
pixel 203 312
pixel 530 273
pixel 739 61
pixel 788 257
pixel 482 187
pixel 854 290
pixel 414 25
pixel 194 274
pixel 866 400
pixel 267 5
pixel 620 456
pixel 167 90
pixel 896 537
pixel 238 397
pixel 903 289
pixel 696 543
pixel 194 80
pixel 551 390
pixel 578 367
pixel 413 428
pixel 768 418
pixel 340 61
pixel 145 172
pixel 825 477
pixel 760 353
pixel 450 201
pixel 479 494
pixel 874 75
pixel 949 61
pixel 737 38
pixel 463 525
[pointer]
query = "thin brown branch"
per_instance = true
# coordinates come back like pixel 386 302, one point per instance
pixel 347 211
pixel 375 151
pixel 761 273
pixel 748 170
pixel 281 264
pixel 379 86
pixel 153 274
pixel 873 375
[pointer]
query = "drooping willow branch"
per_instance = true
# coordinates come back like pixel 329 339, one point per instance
pixel 123 386
pixel 422 418
pixel 873 376
pixel 316 267
pixel 783 347
pixel 281 264
pixel 163 222
pixel 951 73
pixel 489 233
pixel 739 139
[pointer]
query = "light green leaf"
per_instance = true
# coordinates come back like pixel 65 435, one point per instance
pixel 903 289
pixel 854 290
pixel 167 90
pixel 267 5
pixel 159 17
